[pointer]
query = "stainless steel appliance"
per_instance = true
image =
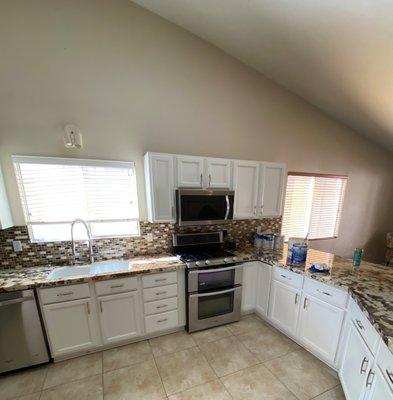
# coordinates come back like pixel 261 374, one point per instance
pixel 204 206
pixel 22 341
pixel 213 280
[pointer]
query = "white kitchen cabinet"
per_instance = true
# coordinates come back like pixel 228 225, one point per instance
pixel 71 326
pixel 159 175
pixel 245 184
pixel 355 367
pixel 377 387
pixel 249 288
pixel 218 173
pixel 189 171
pixel 5 212
pixel 120 317
pixel 284 306
pixel 320 326
pixel 271 189
pixel 263 288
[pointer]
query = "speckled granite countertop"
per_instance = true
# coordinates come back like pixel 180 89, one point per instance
pixel 371 285
pixel 28 278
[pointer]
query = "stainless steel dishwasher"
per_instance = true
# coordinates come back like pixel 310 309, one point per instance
pixel 22 341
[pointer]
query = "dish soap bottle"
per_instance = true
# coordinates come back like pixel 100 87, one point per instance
pixel 357 257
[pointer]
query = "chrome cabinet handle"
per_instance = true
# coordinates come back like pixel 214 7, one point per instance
pixel 296 297
pixel 163 320
pixel 159 293
pixel 326 293
pixel 117 286
pixel 160 280
pixel 201 179
pixel 390 375
pixel 210 180
pixel 64 294
pixel 359 324
pixel 369 381
pixel 163 306
pixel 101 306
pixel 362 366
pixel 305 303
pixel 88 307
pixel 286 277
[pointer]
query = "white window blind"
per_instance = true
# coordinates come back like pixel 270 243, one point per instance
pixel 55 191
pixel 313 206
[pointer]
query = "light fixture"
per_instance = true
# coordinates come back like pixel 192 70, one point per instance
pixel 72 137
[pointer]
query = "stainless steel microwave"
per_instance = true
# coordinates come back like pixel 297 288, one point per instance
pixel 204 206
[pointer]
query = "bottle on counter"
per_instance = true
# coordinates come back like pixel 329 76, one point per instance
pixel 357 257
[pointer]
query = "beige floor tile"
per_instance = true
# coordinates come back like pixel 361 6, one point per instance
pixel 22 383
pixel 268 344
pixel 333 394
pixel 137 382
pixel 303 374
pixel 184 369
pixel 211 335
pixel 256 383
pixel 89 388
pixel 125 356
pixel 171 343
pixel 228 355
pixel 207 391
pixel 247 324
pixel 34 396
pixel 73 369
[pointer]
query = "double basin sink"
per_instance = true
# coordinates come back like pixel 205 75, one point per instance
pixel 89 270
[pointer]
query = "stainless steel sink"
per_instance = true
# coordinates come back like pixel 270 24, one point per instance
pixel 89 270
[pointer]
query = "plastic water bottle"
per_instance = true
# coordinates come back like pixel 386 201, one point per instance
pixel 357 257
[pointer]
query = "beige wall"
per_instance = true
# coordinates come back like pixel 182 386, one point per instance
pixel 134 83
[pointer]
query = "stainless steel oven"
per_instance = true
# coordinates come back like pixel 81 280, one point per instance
pixel 204 206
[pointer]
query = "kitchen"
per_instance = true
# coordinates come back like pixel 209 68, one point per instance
pixel 140 244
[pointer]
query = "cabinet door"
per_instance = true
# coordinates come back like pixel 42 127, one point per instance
pixel 377 386
pixel 271 189
pixel 284 307
pixel 159 175
pixel 120 317
pixel 245 183
pixel 355 366
pixel 249 289
pixel 320 326
pixel 189 171
pixel 218 173
pixel 263 288
pixel 71 326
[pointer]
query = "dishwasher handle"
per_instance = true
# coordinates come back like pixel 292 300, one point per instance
pixel 15 301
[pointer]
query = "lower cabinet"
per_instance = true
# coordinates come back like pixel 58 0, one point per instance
pixel 249 289
pixel 263 289
pixel 71 326
pixel 284 306
pixel 356 366
pixel 378 387
pixel 120 317
pixel 320 326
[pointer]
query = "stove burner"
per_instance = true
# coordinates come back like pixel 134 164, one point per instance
pixel 198 255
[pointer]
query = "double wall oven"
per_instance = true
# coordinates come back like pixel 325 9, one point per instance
pixel 213 280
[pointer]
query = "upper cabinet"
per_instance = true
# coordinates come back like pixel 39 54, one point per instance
pixel 258 186
pixel 271 189
pixel 5 212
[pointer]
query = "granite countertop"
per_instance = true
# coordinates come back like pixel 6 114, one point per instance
pixel 28 278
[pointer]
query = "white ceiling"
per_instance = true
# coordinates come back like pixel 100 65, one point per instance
pixel 337 54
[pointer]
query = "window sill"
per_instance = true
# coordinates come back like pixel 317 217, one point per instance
pixel 85 240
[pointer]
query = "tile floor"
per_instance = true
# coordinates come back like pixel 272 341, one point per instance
pixel 247 360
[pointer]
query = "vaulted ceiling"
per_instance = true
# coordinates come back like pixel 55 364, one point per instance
pixel 336 54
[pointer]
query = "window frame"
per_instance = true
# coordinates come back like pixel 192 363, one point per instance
pixel 17 159
pixel 319 175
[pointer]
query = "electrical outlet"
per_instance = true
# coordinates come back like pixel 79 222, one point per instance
pixel 17 245
pixel 150 236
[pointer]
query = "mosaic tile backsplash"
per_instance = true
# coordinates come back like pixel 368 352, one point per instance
pixel 240 232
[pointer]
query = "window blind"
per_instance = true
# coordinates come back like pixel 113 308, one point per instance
pixel 55 191
pixel 313 206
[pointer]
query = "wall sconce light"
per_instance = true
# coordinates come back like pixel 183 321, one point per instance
pixel 72 137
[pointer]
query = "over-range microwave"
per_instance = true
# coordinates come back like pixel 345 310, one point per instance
pixel 204 206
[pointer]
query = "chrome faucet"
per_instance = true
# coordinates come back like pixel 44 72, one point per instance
pixel 89 239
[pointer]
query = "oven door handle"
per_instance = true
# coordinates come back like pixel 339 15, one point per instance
pixel 216 293
pixel 228 207
pixel 209 271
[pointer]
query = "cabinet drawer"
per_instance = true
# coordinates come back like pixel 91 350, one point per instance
pixel 326 292
pixel 153 280
pixel 64 293
pixel 364 326
pixel 113 286
pixel 158 293
pixel 385 363
pixel 161 321
pixel 288 277
pixel 160 306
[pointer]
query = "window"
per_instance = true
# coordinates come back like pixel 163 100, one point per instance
pixel 55 191
pixel 313 205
